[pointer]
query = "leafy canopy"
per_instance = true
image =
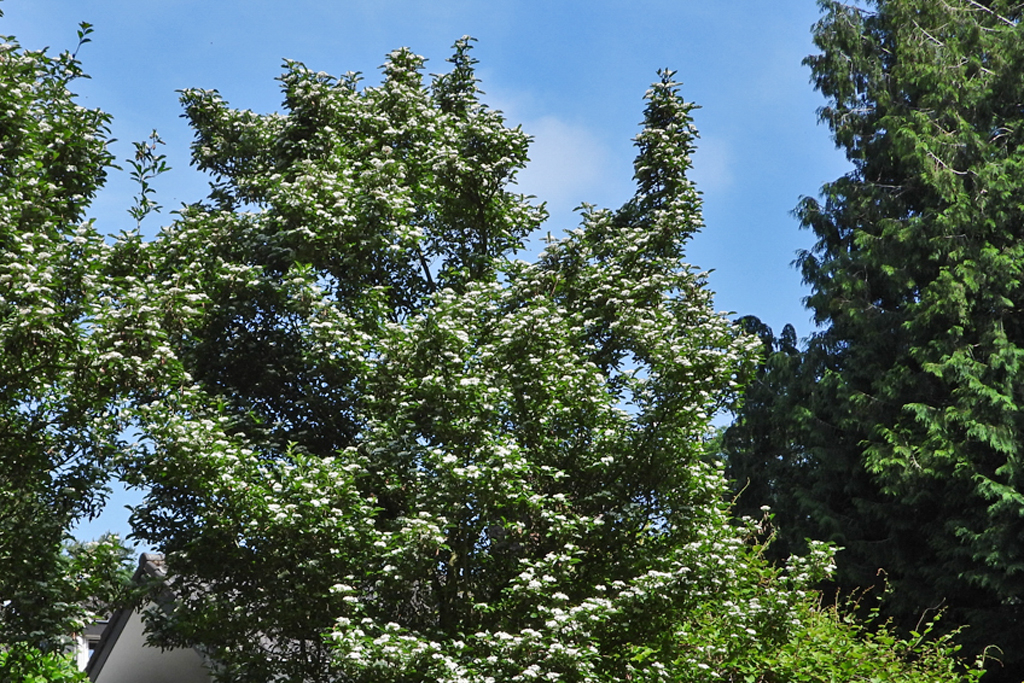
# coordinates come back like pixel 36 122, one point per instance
pixel 377 445
pixel 386 449
pixel 897 433
pixel 449 461
pixel 57 430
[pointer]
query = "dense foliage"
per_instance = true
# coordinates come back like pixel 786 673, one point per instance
pixel 391 451
pixel 457 464
pixel 56 432
pixel 378 446
pixel 897 432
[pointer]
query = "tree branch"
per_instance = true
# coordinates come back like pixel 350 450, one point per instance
pixel 993 13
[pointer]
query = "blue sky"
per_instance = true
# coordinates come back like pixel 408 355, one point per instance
pixel 572 73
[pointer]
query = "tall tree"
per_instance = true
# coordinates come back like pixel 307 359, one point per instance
pixel 388 430
pixel 901 429
pixel 381 448
pixel 57 431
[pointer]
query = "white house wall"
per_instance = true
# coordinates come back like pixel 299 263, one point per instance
pixel 132 661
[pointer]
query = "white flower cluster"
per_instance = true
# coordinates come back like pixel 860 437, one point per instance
pixel 458 466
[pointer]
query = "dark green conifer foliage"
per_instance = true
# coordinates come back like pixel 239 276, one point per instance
pixel 898 434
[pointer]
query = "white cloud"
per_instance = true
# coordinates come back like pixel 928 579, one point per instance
pixel 568 164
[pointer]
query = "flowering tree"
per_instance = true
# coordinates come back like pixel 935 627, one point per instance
pixel 383 449
pixel 378 447
pixel 56 433
pixel 387 430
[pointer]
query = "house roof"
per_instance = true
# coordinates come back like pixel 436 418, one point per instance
pixel 123 655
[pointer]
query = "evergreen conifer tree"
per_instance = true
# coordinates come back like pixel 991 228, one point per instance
pixel 897 433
